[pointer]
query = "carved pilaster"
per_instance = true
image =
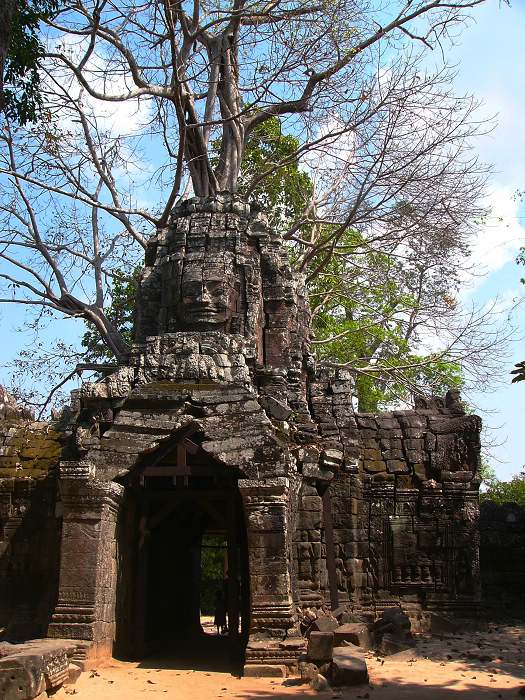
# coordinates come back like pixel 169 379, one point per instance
pixel 86 602
pixel 269 553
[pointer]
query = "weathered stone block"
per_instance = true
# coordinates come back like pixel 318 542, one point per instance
pixel 275 408
pixel 26 670
pixel 383 479
pixel 396 466
pixel 356 633
pixel 390 455
pixel 348 667
pixel 374 466
pixel 390 644
pixel 366 422
pixel 463 477
pixel 320 646
pixel 265 671
pixel 325 623
pixel 415 456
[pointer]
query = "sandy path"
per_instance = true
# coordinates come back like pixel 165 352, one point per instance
pixel 436 670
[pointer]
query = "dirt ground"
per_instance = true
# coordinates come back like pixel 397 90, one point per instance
pixel 470 665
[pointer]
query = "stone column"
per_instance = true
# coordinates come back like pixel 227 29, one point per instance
pixel 88 566
pixel 269 556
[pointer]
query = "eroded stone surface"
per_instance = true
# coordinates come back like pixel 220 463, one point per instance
pixel 320 646
pixel 27 670
pixel 351 511
pixel 348 667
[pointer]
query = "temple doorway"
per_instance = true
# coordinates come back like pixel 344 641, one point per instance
pixel 183 588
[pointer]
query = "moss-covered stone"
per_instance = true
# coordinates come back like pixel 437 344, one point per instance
pixel 28 449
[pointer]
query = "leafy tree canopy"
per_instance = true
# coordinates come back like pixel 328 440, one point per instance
pixel 21 98
pixel 359 311
pixel 512 491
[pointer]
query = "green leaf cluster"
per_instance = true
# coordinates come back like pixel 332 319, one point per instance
pixel 361 313
pixel 213 552
pixel 22 97
pixel 512 491
pixel 284 190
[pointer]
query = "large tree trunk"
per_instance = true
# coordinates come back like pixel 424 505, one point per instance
pixel 108 332
pixel 8 9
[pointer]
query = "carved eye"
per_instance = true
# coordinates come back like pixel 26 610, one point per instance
pixel 217 287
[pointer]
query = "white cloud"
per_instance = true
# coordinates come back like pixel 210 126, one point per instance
pixel 498 238
pixel 116 118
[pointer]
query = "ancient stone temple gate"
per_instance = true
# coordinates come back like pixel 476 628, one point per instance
pixel 221 422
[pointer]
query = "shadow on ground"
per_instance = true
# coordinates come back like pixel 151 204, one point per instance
pixel 207 652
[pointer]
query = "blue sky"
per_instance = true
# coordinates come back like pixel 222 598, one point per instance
pixel 491 64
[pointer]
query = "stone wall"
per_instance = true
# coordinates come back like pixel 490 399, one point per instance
pixel 29 521
pixel 404 506
pixel 340 508
pixel 502 556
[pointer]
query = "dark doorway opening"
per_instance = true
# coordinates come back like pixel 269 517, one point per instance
pixel 183 563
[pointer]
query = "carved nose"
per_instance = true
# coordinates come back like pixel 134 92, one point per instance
pixel 205 295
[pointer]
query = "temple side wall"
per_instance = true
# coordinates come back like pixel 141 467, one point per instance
pixel 405 509
pixel 30 525
pixel 502 556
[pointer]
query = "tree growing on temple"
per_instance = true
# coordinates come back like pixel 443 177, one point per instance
pixel 384 141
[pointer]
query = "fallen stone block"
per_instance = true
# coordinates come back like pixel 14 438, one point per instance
pixel 319 683
pixel 348 667
pixel 18 683
pixel 27 670
pixel 392 632
pixel 392 645
pixel 354 632
pixel 265 671
pixel 320 646
pixel 326 623
pixel 338 612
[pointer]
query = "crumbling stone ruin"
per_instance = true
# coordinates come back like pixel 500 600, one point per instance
pixel 502 558
pixel 222 422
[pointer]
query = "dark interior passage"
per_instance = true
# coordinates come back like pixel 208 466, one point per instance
pixel 187 559
pixel 173 591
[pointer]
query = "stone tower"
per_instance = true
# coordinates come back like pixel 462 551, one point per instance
pixel 221 423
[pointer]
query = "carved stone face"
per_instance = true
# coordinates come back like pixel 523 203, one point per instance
pixel 208 295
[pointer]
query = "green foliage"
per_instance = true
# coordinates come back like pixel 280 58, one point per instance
pixel 120 312
pixel 213 553
pixel 285 190
pixel 22 96
pixel 362 315
pixel 512 491
pixel 360 308
pixel 487 473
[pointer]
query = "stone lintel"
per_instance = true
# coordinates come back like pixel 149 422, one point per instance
pixel 278 486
